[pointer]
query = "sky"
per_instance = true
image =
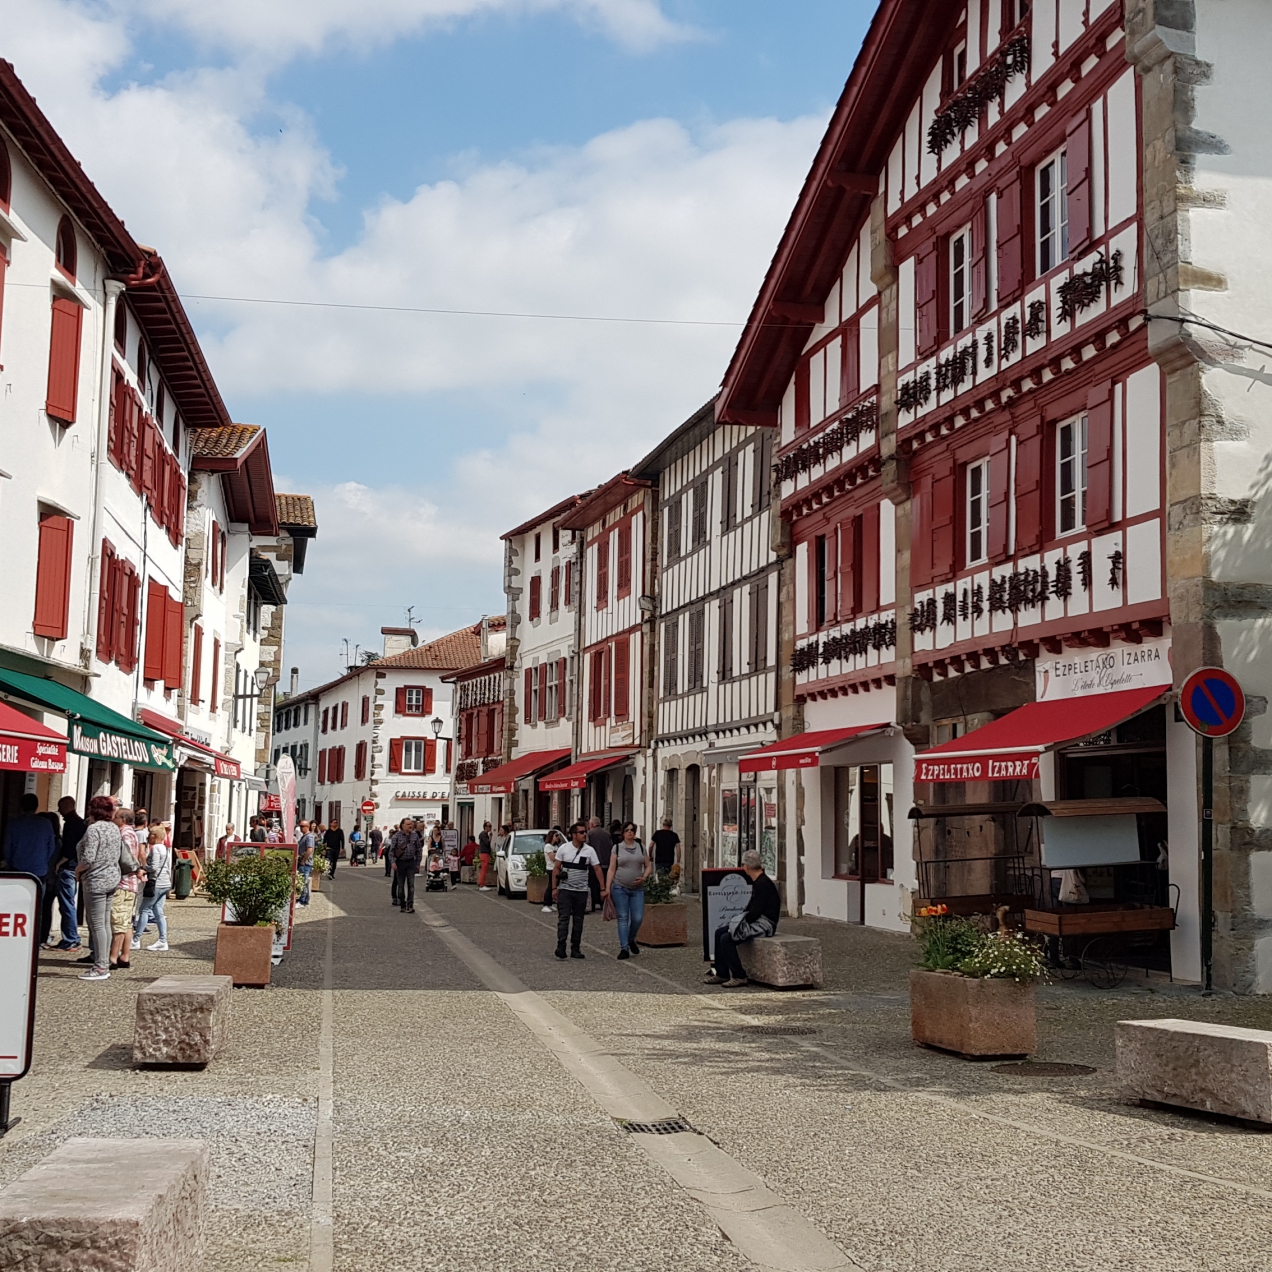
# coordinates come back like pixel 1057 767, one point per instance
pixel 590 162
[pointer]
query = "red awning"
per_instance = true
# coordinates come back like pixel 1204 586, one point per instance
pixel 222 765
pixel 27 746
pixel 803 750
pixel 503 780
pixel 1008 748
pixel 574 778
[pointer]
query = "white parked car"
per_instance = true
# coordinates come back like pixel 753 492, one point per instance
pixel 510 862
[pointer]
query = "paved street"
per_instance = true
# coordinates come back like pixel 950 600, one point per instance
pixel 437 1091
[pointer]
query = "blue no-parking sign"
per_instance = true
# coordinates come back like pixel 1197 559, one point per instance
pixel 1212 702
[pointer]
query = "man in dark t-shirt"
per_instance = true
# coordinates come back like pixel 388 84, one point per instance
pixel 666 847
pixel 334 841
pixel 602 843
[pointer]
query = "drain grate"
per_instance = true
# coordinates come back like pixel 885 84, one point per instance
pixel 1044 1070
pixel 785 1031
pixel 669 1126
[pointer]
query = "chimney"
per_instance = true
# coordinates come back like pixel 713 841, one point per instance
pixel 295 682
pixel 397 640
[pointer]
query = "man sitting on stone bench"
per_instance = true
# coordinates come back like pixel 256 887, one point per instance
pixel 759 919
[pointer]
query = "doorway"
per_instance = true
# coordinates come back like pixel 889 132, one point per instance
pixel 191 809
pixel 692 830
pixel 746 819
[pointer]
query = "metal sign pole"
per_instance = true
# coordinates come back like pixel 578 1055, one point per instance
pixel 6 1122
pixel 1207 863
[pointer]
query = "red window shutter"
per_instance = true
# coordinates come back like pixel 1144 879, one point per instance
pixel 430 755
pixel 602 571
pixel 366 709
pixel 322 766
pixel 870 560
pixel 344 715
pixel 999 494
pixel 196 662
pixel 942 526
pixel 399 700
pixel 921 533
pixel 173 639
pixel 119 400
pixel 156 620
pixel 225 539
pixel 360 761
pixel 622 669
pixel 554 589
pixel 1010 240
pixel 447 769
pixel 560 688
pixel 428 701
pixel 395 755
pixel 625 559
pixel 543 691
pixel 1029 485
pixel 594 688
pixel 128 597
pixel 326 711
pixel 529 695
pixel 849 577
pixel 132 443
pixel 1078 177
pixel 1099 510
pixel 64 359
pixel 106 604
pixel 803 397
pixel 925 299
pixel 569 579
pixel 980 275
pixel 536 597
pixel 53 578
pixel 176 503
pixel 150 460
pixel 606 688
pixel 850 365
pixel 214 688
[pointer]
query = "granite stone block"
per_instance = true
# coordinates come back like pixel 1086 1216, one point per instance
pixel 972 1016
pixel 182 1019
pixel 783 961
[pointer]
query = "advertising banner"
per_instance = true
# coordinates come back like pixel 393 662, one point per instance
pixel 102 744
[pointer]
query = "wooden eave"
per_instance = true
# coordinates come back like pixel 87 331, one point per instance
pixel 614 492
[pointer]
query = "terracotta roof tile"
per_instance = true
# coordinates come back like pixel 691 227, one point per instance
pixel 447 653
pixel 227 442
pixel 296 510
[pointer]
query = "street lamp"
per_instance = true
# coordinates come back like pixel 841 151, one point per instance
pixel 436 725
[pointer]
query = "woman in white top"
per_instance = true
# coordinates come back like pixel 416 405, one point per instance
pixel 158 869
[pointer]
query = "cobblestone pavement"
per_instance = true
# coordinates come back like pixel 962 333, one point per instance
pixel 474 1079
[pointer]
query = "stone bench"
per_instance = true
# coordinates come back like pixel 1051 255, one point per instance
pixel 106 1205
pixel 783 961
pixel 1196 1065
pixel 182 1019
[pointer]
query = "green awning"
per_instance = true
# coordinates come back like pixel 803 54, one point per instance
pixel 94 729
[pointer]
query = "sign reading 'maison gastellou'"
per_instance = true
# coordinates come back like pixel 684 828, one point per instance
pixel 88 739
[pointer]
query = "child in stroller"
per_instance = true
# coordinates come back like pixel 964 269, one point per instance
pixel 436 876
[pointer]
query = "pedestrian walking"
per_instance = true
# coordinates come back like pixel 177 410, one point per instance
pixel 155 890
pixel 759 919
pixel 357 856
pixel 602 843
pixel 666 848
pixel 257 834
pixel 123 904
pixel 452 864
pixel 578 863
pixel 305 846
pixel 483 852
pixel 630 867
pixel 73 827
pixel 222 844
pixel 377 843
pixel 98 873
pixel 551 842
pixel 405 846
pixel 334 841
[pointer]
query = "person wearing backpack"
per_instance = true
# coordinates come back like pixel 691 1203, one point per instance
pixel 155 891
pixel 98 874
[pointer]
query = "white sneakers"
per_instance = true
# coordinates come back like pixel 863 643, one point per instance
pixel 94 973
pixel 158 945
pixel 135 945
pixel 547 909
pixel 485 888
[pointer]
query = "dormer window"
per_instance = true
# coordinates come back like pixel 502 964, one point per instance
pixel 66 248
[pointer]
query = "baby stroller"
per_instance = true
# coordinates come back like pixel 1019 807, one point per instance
pixel 436 876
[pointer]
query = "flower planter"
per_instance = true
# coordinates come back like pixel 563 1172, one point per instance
pixel 665 924
pixel 468 874
pixel 536 888
pixel 245 954
pixel 972 1017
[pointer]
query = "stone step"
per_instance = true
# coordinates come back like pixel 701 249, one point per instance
pixel 182 1019
pixel 783 961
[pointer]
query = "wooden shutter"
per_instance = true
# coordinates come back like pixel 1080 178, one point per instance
pixel 399 701
pixel 395 755
pixel 925 299
pixel 64 359
pixel 173 639
pixel 360 761
pixel 1099 508
pixel 156 598
pixel 921 532
pixel 366 709
pixel 430 755
pixel 554 589
pixel 106 604
pixel 214 687
pixel 528 704
pixel 674 515
pixel 1078 177
pixel 53 578
pixel 569 579
pixel 128 598
pixel 543 691
pixel 625 558
pixel 447 767
pixel 849 575
pixel 849 366
pixel 325 713
pixel 594 687
pixel 1029 485
pixel 999 495
pixel 118 409
pixel 1010 238
pixel 150 461
pixel 606 690
pixel 980 258
pixel 943 484
pixel 803 403
pixel 536 597
pixel 428 700
pixel 870 560
pixel 132 443
pixel 602 570
pixel 622 668
pixel 196 663
pixel 176 504
pixel 322 763
pixel 561 704
pixel 344 715
pixel 225 539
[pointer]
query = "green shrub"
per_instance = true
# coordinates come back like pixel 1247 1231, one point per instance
pixel 255 888
pixel 537 865
pixel 1005 955
pixel 945 943
pixel 660 889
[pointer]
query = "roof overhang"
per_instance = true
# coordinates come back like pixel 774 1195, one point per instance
pixel 696 429
pixel 248 483
pixel 265 581
pixel 804 750
pixel 614 492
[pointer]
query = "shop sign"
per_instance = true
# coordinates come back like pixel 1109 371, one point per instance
pixel 19 936
pixel 725 892
pixel 418 795
pixel 271 803
pixel 1080 672
pixel 27 755
pixel 102 744
pixel 623 733
pixel 1021 766
pixel 227 768
pixel 461 788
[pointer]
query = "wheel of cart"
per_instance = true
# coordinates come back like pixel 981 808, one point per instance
pixel 1103 962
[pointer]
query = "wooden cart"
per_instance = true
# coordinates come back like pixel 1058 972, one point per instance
pixel 1099 932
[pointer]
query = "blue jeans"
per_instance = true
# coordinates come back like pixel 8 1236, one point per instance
pixel 153 906
pixel 630 904
pixel 303 899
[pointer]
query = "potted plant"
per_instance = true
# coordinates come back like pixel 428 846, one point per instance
pixel 666 920
pixel 973 991
pixel 536 877
pixel 253 890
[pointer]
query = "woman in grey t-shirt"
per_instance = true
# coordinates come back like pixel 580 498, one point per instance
pixel 99 875
pixel 629 867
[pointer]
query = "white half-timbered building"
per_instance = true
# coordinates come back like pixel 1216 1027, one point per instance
pixel 716 674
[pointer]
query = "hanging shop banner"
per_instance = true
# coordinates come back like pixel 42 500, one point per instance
pixel 19 937
pixel 287 795
pixel 31 755
pixel 123 748
pixel 1078 673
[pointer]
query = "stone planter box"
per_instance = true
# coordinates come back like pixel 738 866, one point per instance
pixel 665 924
pixel 244 954
pixel 315 880
pixel 972 1017
pixel 536 888
pixel 468 874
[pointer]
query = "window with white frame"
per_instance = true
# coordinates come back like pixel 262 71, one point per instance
pixel 551 710
pixel 1071 475
pixel 978 512
pixel 1053 213
pixel 960 279
pixel 413 755
pixel 415 702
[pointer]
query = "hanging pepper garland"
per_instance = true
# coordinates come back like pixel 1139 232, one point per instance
pixel 962 111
